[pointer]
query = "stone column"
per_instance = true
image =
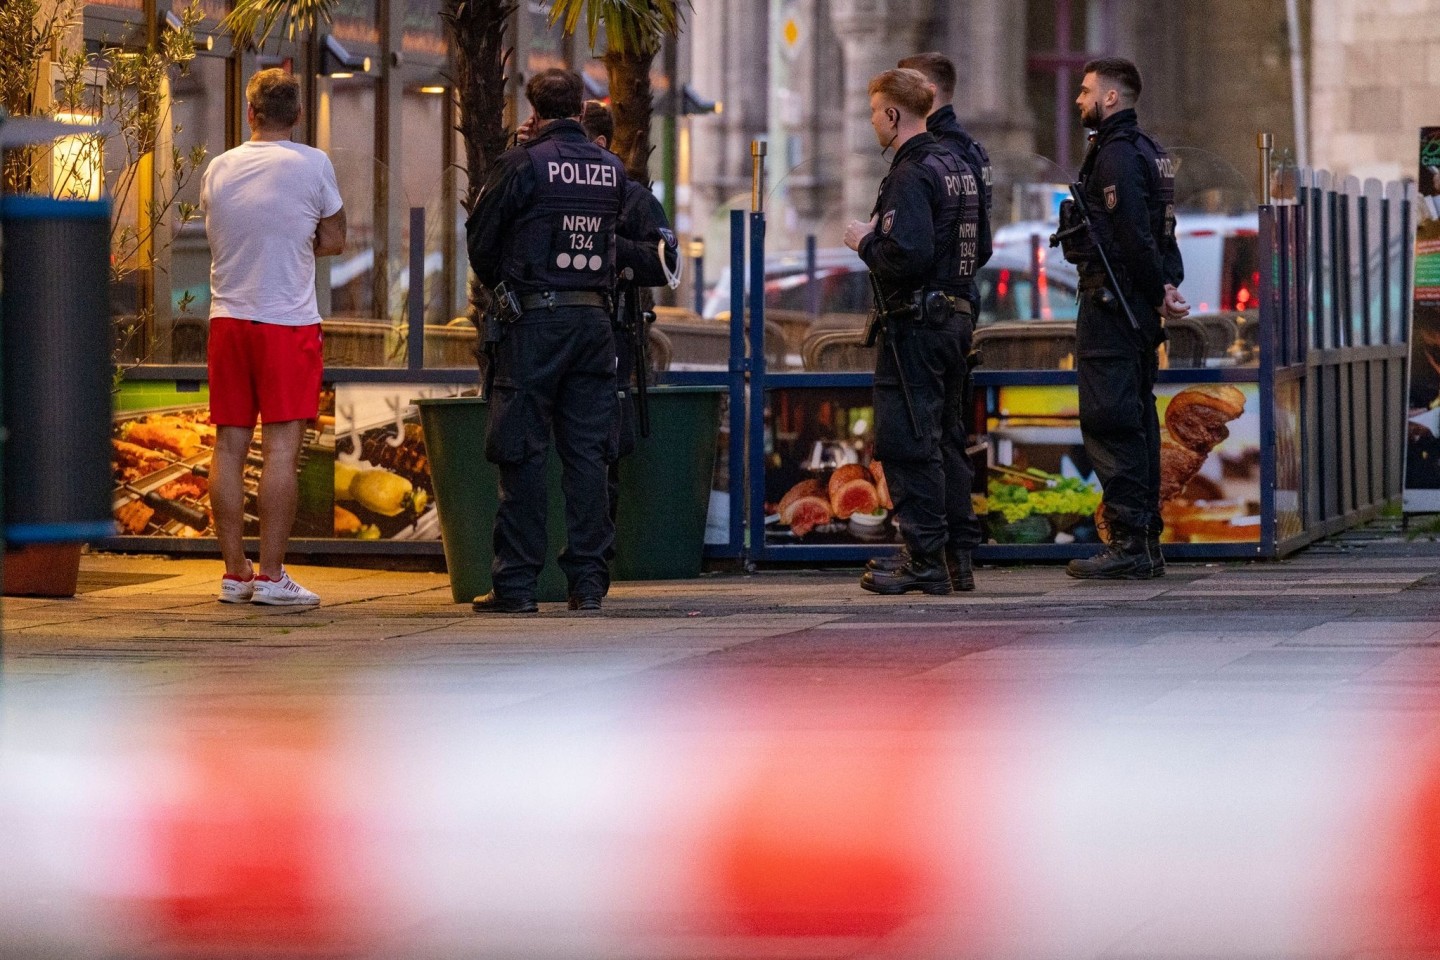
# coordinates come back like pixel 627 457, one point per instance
pixel 987 41
pixel 873 34
pixel 811 113
pixel 727 43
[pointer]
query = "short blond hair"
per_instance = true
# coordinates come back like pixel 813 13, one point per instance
pixel 275 96
pixel 908 89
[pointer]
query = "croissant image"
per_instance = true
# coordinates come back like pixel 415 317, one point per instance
pixel 1178 463
pixel 1195 423
pixel 1197 416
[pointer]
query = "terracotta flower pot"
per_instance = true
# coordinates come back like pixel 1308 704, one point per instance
pixel 42 570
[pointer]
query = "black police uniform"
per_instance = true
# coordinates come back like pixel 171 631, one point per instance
pixel 965 532
pixel 544 224
pixel 922 254
pixel 642 237
pixel 1128 182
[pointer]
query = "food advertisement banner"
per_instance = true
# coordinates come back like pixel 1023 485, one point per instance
pixel 1422 449
pixel 1289 465
pixel 1042 488
pixel 363 472
pixel 823 485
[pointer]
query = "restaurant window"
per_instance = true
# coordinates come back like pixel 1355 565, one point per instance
pixel 423 176
pixel 352 151
pixel 198 111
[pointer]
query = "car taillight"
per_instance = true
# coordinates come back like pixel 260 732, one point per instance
pixel 1245 294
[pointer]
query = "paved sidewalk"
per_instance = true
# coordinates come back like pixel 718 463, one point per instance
pixel 1236 761
pixel 1353 623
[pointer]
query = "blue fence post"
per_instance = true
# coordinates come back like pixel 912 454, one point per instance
pixel 1273 300
pixel 757 384
pixel 738 367
pixel 755 463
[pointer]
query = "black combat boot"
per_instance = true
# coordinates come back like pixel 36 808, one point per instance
pixel 962 571
pixel 921 571
pixel 1126 558
pixel 890 562
pixel 492 602
pixel 962 576
pixel 1153 554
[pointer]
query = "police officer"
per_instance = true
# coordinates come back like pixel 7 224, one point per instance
pixel 921 246
pixel 646 248
pixel 964 527
pixel 1128 184
pixel 542 237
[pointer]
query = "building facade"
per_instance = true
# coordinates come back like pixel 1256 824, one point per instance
pixel 1216 72
pixel 1377 84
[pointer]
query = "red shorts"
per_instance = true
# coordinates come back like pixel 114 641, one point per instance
pixel 263 368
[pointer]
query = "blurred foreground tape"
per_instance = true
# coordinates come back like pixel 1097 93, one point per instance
pixel 689 821
pixel 246 841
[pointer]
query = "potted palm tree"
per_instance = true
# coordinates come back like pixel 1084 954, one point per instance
pixel 634 30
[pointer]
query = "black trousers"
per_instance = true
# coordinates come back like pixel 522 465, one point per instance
pixel 555 373
pixel 1116 367
pixel 929 476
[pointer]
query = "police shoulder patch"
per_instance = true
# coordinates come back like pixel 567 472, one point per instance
pixel 668 235
pixel 1110 198
pixel 887 221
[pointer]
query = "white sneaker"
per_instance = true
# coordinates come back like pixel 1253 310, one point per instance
pixel 235 590
pixel 282 593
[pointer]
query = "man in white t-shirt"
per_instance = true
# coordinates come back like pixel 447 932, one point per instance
pixel 271 207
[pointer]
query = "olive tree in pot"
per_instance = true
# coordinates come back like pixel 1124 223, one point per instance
pixel 127 155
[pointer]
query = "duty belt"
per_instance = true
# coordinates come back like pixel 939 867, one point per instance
pixel 913 306
pixel 551 299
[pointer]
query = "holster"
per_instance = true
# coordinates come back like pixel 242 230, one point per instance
pixel 1073 238
pixel 504 310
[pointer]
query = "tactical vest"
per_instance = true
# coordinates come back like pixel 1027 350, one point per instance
pixel 957 221
pixel 1161 171
pixel 565 238
pixel 975 152
pixel 1159 179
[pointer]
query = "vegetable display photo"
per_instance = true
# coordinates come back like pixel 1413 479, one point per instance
pixel 364 474
pixel 382 486
pixel 1042 489
pixel 162 443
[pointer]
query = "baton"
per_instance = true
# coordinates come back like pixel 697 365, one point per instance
pixel 1083 209
pixel 879 320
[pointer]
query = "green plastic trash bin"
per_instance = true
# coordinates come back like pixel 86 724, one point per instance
pixel 466 496
pixel 665 487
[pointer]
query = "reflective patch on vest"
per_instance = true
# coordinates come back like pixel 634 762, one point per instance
pixel 581 174
pixel 1110 198
pixel 581 242
pixel 887 222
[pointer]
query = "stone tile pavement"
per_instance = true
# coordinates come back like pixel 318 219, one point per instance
pixel 1350 624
